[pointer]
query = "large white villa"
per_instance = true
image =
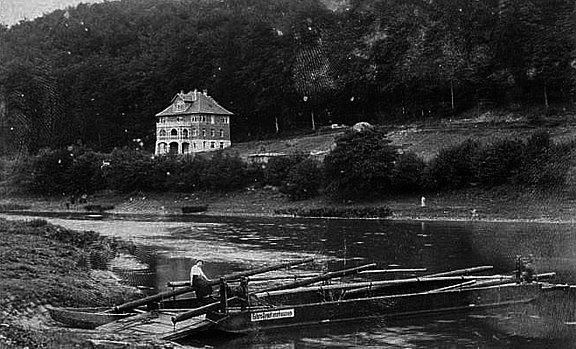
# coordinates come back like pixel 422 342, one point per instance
pixel 193 123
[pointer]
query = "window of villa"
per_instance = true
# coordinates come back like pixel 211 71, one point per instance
pixel 185 133
pixel 162 133
pixel 204 145
pixel 212 145
pixel 194 132
pixel 211 132
pixel 174 133
pixel 221 133
pixel 180 106
pixel 221 145
pixel 203 132
pixel 212 119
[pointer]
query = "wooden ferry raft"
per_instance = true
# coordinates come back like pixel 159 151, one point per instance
pixel 305 301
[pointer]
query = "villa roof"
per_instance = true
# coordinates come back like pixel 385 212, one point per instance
pixel 195 102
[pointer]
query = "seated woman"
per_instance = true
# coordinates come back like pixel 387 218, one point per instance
pixel 199 280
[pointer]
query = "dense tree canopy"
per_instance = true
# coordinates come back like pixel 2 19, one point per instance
pixel 96 74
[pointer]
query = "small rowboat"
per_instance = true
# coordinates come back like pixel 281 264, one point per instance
pixel 87 318
pixel 90 318
pixel 194 209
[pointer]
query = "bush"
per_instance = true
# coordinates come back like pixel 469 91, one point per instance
pixel 545 165
pixel 303 181
pixel 407 175
pixel 337 212
pixel 500 162
pixel 188 175
pixel 277 169
pixel 66 171
pixel 85 173
pixel 17 173
pixel 162 170
pixel 224 173
pixel 49 172
pixel 129 170
pixel 454 167
pixel 255 175
pixel 37 223
pixel 98 208
pixel 360 166
pixel 4 207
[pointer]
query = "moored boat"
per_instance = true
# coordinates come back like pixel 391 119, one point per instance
pixel 87 318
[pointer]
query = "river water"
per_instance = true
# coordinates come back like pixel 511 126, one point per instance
pixel 169 245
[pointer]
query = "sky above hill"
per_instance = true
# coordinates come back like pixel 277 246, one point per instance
pixel 13 11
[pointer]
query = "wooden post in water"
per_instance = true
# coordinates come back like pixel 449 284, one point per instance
pixel 223 296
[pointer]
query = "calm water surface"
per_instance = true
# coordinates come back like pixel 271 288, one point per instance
pixel 227 244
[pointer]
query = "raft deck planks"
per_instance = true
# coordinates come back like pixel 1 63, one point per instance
pixel 156 324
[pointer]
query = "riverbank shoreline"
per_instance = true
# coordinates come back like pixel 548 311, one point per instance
pixel 505 204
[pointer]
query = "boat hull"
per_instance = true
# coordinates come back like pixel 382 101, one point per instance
pixel 88 318
pixel 419 304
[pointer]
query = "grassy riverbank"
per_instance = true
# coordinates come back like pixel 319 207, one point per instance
pixel 500 204
pixel 42 264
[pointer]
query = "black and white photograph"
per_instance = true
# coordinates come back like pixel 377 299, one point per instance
pixel 287 174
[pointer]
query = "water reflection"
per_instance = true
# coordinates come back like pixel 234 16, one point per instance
pixel 231 244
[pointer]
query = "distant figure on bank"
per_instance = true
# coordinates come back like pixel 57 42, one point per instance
pixel 199 280
pixel 529 269
pixel 525 271
pixel 474 213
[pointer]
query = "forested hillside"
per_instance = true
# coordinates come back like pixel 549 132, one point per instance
pixel 97 74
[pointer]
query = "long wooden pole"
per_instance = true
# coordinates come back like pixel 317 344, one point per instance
pixel 430 276
pixel 301 276
pixel 319 278
pixel 358 287
pixel 448 288
pixel 488 280
pixel 198 311
pixel 166 294
pixel 506 281
pixel 461 271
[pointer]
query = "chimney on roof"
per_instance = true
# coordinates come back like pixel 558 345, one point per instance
pixel 205 92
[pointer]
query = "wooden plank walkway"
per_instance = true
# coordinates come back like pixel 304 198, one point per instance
pixel 156 324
